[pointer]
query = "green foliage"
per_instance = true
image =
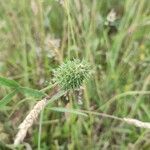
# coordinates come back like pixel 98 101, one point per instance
pixel 24 90
pixel 64 110
pixel 31 92
pixel 118 50
pixel 57 96
pixel 8 83
pixel 71 74
pixel 4 101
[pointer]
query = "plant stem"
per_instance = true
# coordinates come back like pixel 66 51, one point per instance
pixel 40 129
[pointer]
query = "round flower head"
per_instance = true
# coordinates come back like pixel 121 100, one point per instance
pixel 71 74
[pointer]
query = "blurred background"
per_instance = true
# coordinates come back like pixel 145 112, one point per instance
pixel 36 36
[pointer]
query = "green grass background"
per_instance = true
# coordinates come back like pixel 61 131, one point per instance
pixel 119 54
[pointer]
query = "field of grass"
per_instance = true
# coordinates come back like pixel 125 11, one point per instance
pixel 113 36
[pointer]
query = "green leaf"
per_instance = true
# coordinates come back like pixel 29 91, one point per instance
pixel 31 92
pixel 60 109
pixel 8 82
pixel 5 108
pixel 7 99
pixel 57 96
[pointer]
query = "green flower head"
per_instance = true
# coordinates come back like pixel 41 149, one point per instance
pixel 71 74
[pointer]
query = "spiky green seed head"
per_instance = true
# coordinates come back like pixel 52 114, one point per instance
pixel 71 74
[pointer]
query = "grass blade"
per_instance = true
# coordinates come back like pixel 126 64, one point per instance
pixel 60 109
pixel 7 99
pixel 57 96
pixel 31 92
pixel 8 82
